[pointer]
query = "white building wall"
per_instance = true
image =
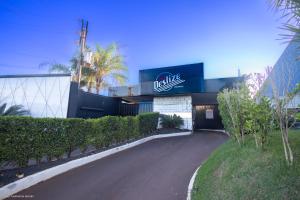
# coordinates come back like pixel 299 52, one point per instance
pixel 44 96
pixel 292 104
pixel 295 102
pixel 179 105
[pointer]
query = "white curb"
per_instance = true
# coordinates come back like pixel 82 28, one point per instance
pixel 33 179
pixel 215 130
pixel 191 184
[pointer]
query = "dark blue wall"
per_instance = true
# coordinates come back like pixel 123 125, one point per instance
pixel 218 84
pixel 172 80
pixel 88 105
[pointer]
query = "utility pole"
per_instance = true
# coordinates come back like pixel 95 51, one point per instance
pixel 82 44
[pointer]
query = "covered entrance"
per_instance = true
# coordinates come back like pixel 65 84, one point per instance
pixel 205 111
pixel 207 117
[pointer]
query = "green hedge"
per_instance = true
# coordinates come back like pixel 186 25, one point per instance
pixel 148 122
pixel 24 138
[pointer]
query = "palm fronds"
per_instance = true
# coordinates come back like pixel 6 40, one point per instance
pixel 291 13
pixel 13 110
pixel 107 65
pixel 59 68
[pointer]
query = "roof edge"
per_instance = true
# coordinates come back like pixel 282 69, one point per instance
pixel 33 75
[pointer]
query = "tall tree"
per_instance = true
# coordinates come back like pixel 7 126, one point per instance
pixel 54 67
pixel 107 68
pixel 72 68
pixel 281 83
pixel 282 101
pixel 57 67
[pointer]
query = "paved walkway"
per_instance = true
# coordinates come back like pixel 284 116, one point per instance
pixel 159 169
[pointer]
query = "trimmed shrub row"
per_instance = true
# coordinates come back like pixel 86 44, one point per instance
pixel 148 122
pixel 24 138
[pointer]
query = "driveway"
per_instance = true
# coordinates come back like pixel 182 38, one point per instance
pixel 158 169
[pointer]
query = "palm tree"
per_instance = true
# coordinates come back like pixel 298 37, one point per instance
pixel 87 79
pixel 54 67
pixel 13 110
pixel 61 68
pixel 107 67
pixel 291 12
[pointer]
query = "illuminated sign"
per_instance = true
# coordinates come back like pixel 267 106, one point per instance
pixel 166 81
pixel 182 79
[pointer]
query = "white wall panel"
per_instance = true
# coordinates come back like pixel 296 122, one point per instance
pixel 295 102
pixel 45 96
pixel 179 105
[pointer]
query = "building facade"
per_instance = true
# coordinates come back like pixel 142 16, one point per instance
pixel 285 75
pixel 180 90
pixel 43 95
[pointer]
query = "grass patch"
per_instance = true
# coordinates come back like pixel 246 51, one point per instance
pixel 234 172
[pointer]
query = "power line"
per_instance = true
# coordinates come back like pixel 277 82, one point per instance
pixel 31 27
pixel 16 66
pixel 34 27
pixel 10 65
pixel 25 54
pixel 82 43
pixel 13 11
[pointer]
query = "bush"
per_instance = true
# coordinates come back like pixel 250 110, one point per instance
pixel 95 136
pixel 16 139
pixel 171 121
pixel 260 120
pixel 234 109
pixel 111 127
pixel 53 136
pixel 75 134
pixel 24 138
pixel 147 122
pixel 130 127
pixel 242 114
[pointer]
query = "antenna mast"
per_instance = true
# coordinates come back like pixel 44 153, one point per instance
pixel 82 44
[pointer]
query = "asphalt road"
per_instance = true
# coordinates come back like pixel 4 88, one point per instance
pixel 158 169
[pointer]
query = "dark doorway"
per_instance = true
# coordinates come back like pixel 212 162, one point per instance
pixel 207 117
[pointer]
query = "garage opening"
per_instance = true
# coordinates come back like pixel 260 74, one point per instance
pixel 207 117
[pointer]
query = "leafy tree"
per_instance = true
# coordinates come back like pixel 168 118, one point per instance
pixel 255 82
pixel 17 110
pixel 298 115
pixel 282 98
pixel 233 106
pixel 260 120
pixel 107 67
pixel 54 67
pixel 243 112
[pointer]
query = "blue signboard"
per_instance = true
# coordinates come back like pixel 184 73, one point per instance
pixel 181 79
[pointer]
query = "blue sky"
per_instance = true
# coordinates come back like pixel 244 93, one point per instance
pixel 225 35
